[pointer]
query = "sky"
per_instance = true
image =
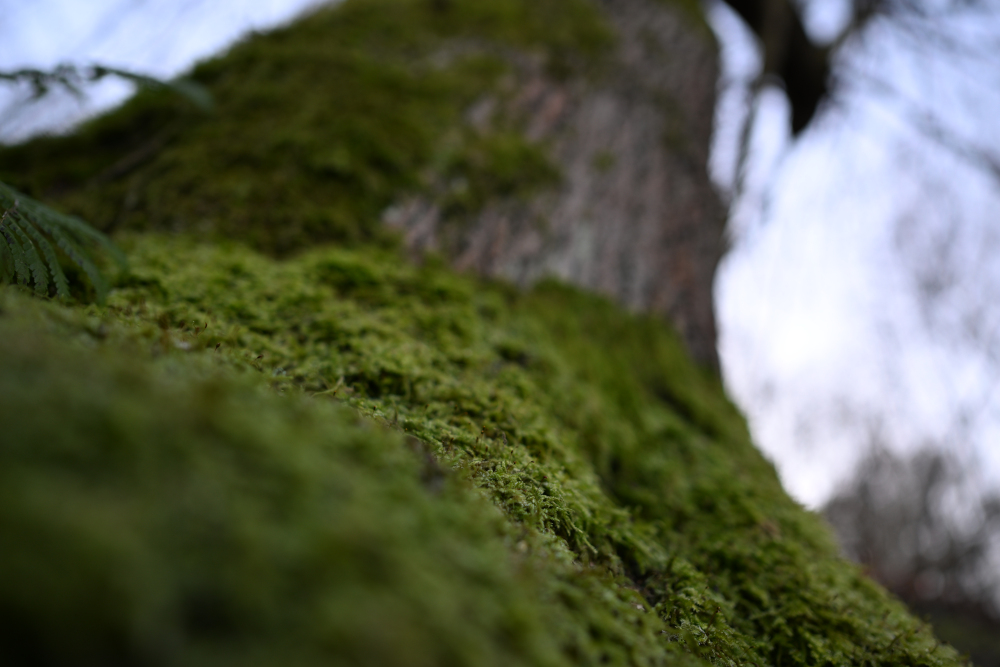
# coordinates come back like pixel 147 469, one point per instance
pixel 157 37
pixel 857 301
pixel 832 334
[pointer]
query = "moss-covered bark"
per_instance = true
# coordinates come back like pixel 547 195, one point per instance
pixel 318 127
pixel 342 457
pixel 573 490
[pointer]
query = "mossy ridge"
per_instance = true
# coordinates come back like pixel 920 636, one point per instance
pixel 178 513
pixel 586 426
pixel 320 126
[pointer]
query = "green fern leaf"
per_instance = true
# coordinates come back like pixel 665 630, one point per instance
pixel 84 234
pixel 21 273
pixel 51 260
pixel 7 270
pixel 7 273
pixel 81 258
pixel 29 229
pixel 6 262
pixel 34 260
pixel 52 222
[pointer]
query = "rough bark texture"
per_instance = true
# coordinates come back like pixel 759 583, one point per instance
pixel 636 217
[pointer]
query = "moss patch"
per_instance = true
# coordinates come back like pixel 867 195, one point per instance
pixel 636 525
pixel 320 126
pixel 173 514
pixel 493 167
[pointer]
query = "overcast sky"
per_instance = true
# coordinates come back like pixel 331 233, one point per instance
pixel 158 37
pixel 833 326
pixel 832 331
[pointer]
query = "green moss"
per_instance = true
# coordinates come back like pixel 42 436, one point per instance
pixel 603 161
pixel 174 514
pixel 493 168
pixel 318 127
pixel 637 524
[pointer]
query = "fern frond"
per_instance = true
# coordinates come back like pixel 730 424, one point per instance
pixel 81 258
pixel 51 260
pixel 28 231
pixel 55 224
pixel 6 262
pixel 21 273
pixel 31 256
